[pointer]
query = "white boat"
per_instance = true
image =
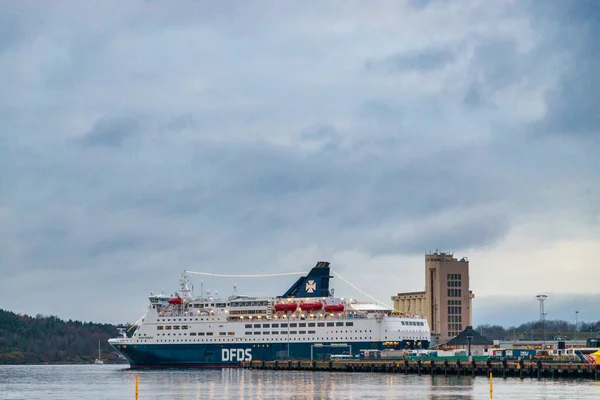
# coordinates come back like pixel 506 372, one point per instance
pixel 99 359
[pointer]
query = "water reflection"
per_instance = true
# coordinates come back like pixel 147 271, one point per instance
pixel 114 382
pixel 451 387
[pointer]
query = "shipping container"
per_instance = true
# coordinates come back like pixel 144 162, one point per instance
pixel 516 353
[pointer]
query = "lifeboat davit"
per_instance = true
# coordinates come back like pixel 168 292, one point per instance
pixel 175 300
pixel 316 306
pixel 334 308
pixel 287 307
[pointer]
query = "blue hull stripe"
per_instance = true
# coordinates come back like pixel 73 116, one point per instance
pixel 197 355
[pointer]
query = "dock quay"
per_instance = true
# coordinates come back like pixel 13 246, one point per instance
pixel 502 369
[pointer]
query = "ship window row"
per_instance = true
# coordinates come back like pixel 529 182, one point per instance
pixel 283 325
pixel 210 333
pixel 233 316
pixel 246 312
pixel 238 339
pixel 413 323
pixel 249 333
pixel 249 304
pixel 185 319
pixel 299 325
pixel 254 339
pixel 295 339
pixel 169 327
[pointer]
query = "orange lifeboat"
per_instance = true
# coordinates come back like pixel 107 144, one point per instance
pixel 316 306
pixel 175 300
pixel 334 308
pixel 287 307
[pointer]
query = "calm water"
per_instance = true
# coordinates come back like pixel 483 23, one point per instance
pixel 116 382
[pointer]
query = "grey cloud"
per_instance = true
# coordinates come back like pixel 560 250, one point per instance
pixel 459 232
pixel 323 136
pixel 320 131
pixel 495 66
pixel 517 309
pixel 16 25
pixel 573 28
pixel 259 141
pixel 378 110
pixel 423 60
pixel 473 97
pixel 497 62
pixel 181 122
pixel 114 245
pixel 112 131
pixel 421 4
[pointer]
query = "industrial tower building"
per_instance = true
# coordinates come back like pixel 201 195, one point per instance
pixel 446 301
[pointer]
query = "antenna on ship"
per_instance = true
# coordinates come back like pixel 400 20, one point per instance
pixel 202 289
pixel 186 286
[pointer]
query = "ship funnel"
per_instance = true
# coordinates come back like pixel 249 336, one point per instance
pixel 315 284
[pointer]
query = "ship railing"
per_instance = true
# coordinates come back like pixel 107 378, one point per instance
pixel 297 317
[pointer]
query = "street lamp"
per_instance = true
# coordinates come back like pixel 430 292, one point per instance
pixel 469 339
pixel 576 324
pixel 541 298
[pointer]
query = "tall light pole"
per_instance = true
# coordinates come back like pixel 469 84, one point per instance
pixel 469 340
pixel 541 298
pixel 576 324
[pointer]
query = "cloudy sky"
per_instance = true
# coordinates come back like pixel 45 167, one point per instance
pixel 142 138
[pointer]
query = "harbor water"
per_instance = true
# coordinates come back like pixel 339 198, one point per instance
pixel 118 382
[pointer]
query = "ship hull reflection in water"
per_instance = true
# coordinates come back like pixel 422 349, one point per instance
pixel 44 382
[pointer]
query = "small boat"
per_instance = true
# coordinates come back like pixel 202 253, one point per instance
pixel 98 360
pixel 175 300
pixel 334 308
pixel 286 307
pixel 312 306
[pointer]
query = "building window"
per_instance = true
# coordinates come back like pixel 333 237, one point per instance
pixel 454 281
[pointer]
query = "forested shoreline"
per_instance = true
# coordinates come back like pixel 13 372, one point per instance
pixel 42 339
pixel 536 330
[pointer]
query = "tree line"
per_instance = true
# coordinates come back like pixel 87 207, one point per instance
pixel 535 330
pixel 48 339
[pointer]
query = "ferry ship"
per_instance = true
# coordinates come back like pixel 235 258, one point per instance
pixel 306 322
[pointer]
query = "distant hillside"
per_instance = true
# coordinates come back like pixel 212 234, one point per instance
pixel 40 339
pixel 534 331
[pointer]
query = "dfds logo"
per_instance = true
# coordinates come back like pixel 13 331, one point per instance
pixel 236 355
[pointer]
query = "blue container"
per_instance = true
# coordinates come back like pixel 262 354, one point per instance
pixel 518 353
